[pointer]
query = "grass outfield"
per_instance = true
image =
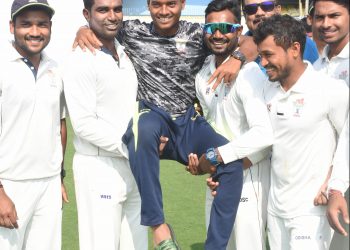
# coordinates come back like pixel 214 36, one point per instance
pixel 184 197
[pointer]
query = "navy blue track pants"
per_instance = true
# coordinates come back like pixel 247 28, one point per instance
pixel 189 133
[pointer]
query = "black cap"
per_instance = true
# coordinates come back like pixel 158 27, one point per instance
pixel 20 5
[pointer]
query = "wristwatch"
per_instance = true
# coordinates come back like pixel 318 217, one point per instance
pixel 63 173
pixel 239 56
pixel 212 156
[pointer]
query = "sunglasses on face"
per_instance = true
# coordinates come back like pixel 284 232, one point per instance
pixel 251 9
pixel 224 28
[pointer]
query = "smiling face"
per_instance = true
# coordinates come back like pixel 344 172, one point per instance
pixel 332 22
pixel 219 43
pixel 105 18
pixel 253 19
pixel 166 15
pixel 32 32
pixel 277 61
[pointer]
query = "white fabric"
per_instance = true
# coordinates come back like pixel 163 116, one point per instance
pixel 340 175
pixel 100 97
pixel 108 204
pixel 305 120
pixel 336 67
pixel 38 205
pixel 302 232
pixel 239 113
pixel 236 111
pixel 249 229
pixel 30 113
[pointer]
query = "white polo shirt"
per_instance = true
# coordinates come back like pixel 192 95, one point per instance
pixel 305 120
pixel 101 99
pixel 237 111
pixel 337 66
pixel 30 113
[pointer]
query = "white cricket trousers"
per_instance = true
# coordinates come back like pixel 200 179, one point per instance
pixel 108 204
pixel 310 232
pixel 39 209
pixel 249 229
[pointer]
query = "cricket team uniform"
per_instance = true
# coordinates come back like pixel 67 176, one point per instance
pixel 305 120
pixel 101 97
pixel 238 112
pixel 31 109
pixel 338 67
pixel 166 69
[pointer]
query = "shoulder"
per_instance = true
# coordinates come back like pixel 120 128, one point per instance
pixel 135 25
pixel 205 72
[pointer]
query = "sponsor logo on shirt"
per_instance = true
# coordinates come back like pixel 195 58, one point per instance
pixel 298 105
pixel 343 75
pixel 303 237
pixel 244 199
pixel 269 107
pixel 105 197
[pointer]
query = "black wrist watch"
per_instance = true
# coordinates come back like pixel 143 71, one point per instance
pixel 63 173
pixel 212 156
pixel 239 56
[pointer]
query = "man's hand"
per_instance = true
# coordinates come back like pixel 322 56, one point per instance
pixel 87 38
pixel 8 213
pixel 201 166
pixel 163 141
pixel 64 193
pixel 212 185
pixel 321 197
pixel 246 163
pixel 337 205
pixel 226 72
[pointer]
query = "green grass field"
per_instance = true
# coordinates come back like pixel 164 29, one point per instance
pixel 184 197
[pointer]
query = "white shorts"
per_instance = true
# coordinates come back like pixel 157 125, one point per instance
pixel 108 204
pixel 249 230
pixel 39 209
pixel 304 232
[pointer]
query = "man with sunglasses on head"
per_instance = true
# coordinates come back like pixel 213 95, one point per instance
pixel 238 112
pixel 256 11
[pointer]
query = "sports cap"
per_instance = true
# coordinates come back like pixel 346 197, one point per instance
pixel 20 5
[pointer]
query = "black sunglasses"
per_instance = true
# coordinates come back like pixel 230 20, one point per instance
pixel 251 9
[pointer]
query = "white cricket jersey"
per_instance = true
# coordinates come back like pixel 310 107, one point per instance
pixel 237 111
pixel 31 109
pixel 101 99
pixel 340 174
pixel 305 120
pixel 337 66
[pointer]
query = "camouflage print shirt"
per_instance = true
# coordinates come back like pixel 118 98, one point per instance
pixel 166 66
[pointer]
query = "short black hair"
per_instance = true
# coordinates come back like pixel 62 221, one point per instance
pixel 220 5
pixel 344 3
pixel 88 4
pixel 307 27
pixel 285 29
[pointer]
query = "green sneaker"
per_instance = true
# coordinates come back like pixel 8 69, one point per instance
pixel 170 244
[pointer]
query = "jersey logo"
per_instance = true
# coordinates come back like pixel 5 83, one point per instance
pixel 269 107
pixel 343 75
pixel 181 45
pixel 298 105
